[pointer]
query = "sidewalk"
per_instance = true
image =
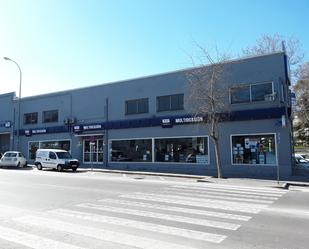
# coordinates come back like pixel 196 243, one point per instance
pixel 294 181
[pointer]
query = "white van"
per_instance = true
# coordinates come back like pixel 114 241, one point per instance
pixel 55 159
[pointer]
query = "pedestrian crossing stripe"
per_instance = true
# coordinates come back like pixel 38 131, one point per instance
pixel 32 241
pixel 168 230
pixel 184 210
pixel 148 214
pixel 98 233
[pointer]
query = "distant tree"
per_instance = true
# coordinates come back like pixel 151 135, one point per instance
pixel 208 96
pixel 273 43
pixel 302 104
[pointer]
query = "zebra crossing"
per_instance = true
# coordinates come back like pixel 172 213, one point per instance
pixel 182 216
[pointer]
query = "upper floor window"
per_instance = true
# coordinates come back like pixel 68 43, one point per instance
pixel 50 116
pixel 170 102
pixel 136 106
pixel 252 93
pixel 31 118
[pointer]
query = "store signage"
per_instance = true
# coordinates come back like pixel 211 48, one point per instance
pixel 92 127
pixel 78 128
pixel 39 131
pixel 28 133
pixel 7 124
pixel 189 120
pixel 166 123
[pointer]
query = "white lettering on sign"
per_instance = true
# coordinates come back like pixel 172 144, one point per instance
pixel 39 131
pixel 92 127
pixel 166 121
pixel 189 120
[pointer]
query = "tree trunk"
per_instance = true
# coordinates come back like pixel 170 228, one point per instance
pixel 218 158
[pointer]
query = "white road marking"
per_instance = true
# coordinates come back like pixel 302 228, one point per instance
pixel 102 234
pixel 257 190
pixel 130 211
pixel 200 203
pixel 33 241
pixel 186 233
pixel 222 192
pixel 178 209
pixel 217 197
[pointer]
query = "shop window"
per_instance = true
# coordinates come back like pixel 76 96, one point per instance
pixel 50 116
pixel 182 150
pixel 254 149
pixel 170 102
pixel 137 106
pixel 34 146
pixel 31 118
pixel 138 150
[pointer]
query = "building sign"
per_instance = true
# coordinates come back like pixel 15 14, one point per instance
pixel 39 131
pixel 166 123
pixel 7 124
pixel 77 128
pixel 28 133
pixel 189 120
pixel 92 127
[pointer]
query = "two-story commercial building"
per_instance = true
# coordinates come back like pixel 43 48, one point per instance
pixel 146 124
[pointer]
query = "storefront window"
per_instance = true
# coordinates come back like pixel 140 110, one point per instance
pixel 139 150
pixel 34 146
pixel 182 150
pixel 254 149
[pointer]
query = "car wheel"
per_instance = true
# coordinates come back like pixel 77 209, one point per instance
pixel 18 165
pixel 59 168
pixel 74 169
pixel 39 166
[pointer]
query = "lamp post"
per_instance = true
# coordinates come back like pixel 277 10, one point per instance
pixel 19 100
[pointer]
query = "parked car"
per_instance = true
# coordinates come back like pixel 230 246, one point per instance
pixel 13 159
pixel 301 162
pixel 55 159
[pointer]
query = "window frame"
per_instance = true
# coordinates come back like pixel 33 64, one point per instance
pixel 137 106
pixel 250 87
pixel 153 150
pixel 31 113
pixel 253 134
pixel 170 102
pixel 50 111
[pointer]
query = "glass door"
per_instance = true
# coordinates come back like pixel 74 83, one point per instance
pixel 93 151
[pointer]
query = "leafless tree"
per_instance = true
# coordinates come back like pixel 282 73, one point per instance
pixel 208 97
pixel 273 43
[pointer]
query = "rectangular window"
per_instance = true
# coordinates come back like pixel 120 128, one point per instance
pixel 182 150
pixel 137 106
pixel 170 102
pixel 259 91
pixel 137 150
pixel 240 94
pixel 34 146
pixel 50 116
pixel 254 149
pixel 31 118
pixel 252 93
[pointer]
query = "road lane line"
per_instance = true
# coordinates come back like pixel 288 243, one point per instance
pixel 98 233
pixel 178 209
pixel 186 233
pixel 148 214
pixel 200 203
pixel 33 241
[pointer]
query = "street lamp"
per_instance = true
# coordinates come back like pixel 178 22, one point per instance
pixel 19 100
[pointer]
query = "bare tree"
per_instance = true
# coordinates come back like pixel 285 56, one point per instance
pixel 208 97
pixel 273 43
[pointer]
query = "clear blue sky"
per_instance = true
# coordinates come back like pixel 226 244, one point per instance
pixel 62 44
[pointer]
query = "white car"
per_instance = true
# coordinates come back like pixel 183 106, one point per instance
pixel 301 162
pixel 13 159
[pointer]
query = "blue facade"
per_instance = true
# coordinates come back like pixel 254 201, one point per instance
pixel 104 124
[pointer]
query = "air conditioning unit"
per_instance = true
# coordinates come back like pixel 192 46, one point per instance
pixel 270 97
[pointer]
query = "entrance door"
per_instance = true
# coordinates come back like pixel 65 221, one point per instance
pixel 93 151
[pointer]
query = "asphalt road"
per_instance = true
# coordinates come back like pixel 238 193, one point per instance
pixel 52 210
